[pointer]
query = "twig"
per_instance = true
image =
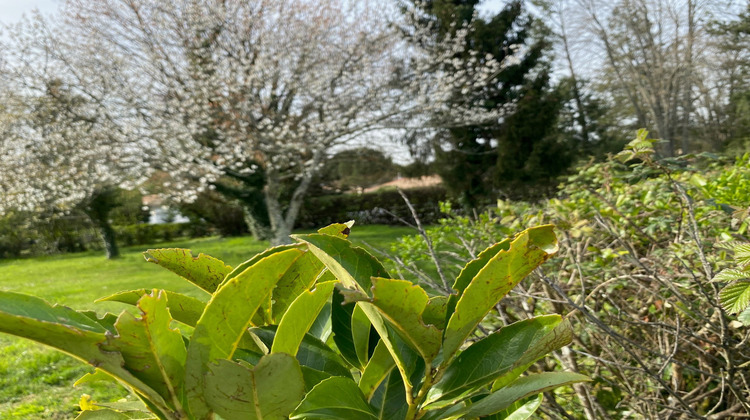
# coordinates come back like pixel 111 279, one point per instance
pixel 427 240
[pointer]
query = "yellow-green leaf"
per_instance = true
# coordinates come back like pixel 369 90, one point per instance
pixel 339 230
pixel 402 303
pixel 226 318
pixel 269 391
pixel 204 271
pixel 380 365
pixel 502 272
pixel 153 351
pixel 183 308
pixel 300 317
pixel 71 332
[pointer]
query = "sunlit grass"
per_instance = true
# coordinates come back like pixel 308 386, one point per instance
pixel 37 382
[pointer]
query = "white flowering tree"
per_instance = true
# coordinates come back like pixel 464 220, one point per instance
pixel 265 89
pixel 61 150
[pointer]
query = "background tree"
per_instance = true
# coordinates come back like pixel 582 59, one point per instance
pixel 58 155
pixel 232 89
pixel 358 168
pixel 586 119
pixel 658 65
pixel 478 161
pixel 729 121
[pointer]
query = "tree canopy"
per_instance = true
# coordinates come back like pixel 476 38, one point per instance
pixel 229 89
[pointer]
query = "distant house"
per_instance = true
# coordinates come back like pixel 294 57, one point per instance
pixel 158 213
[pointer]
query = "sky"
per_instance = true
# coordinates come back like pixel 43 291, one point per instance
pixel 12 10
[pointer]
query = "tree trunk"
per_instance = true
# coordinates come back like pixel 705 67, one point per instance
pixel 256 228
pixel 280 230
pixel 106 233
pixel 280 235
pixel 98 209
pixel 581 117
pixel 687 87
pixel 282 222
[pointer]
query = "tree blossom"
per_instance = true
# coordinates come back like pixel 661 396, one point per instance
pixel 208 89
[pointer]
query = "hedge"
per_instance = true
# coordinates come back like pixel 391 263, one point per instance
pixel 378 207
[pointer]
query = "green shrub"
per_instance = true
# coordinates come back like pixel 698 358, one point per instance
pixel 635 266
pixel 377 207
pixel 314 330
pixel 217 213
pixel 142 234
pixel 728 184
pixel 735 295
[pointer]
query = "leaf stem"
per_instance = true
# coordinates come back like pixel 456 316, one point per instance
pixel 414 412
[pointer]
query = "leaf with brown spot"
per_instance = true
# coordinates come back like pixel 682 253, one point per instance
pixel 204 271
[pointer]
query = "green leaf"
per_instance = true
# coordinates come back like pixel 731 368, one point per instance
pixel 408 361
pixel 742 253
pixel 97 376
pixel 470 271
pixel 520 410
pixel 339 230
pixel 353 266
pixel 107 320
pixel 380 365
pixel 257 257
pixel 183 308
pixel 502 272
pixel 744 317
pixel 227 316
pixel 361 327
pixel 504 354
pixel 321 328
pixel 153 351
pixel 269 391
pixel 542 344
pixel 341 325
pixel 735 297
pixel 301 276
pixel 518 390
pixel 334 398
pixel 389 400
pixel 71 332
pixel 730 275
pixel 313 377
pixel 204 271
pixel 402 303
pixel 300 317
pixel 134 408
pixel 312 352
pixel 104 414
pixel 435 312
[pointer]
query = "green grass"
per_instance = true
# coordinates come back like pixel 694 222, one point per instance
pixel 37 382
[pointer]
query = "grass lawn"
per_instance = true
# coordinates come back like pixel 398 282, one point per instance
pixel 37 382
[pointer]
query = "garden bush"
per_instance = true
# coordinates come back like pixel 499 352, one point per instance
pixel 21 236
pixel 636 263
pixel 313 330
pixel 142 233
pixel 384 207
